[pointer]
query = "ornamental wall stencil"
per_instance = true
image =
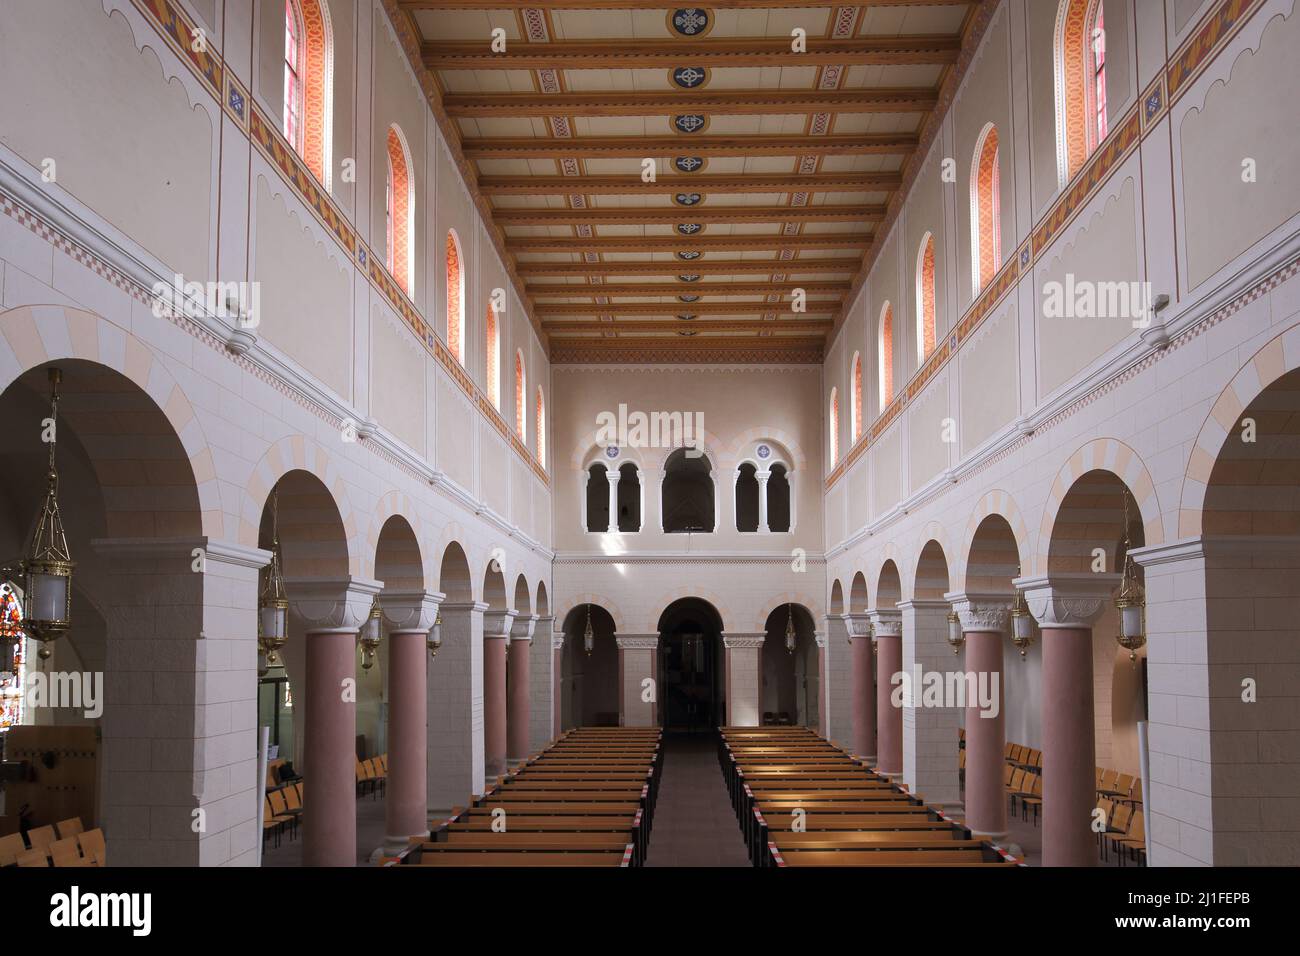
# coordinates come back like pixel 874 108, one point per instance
pixel 690 122
pixel 688 298
pixel 690 21
pixel 687 199
pixel 689 77
pixel 688 164
pixel 689 228
pixel 689 256
pixel 689 278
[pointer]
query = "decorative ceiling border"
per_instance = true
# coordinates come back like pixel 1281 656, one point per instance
pixel 1217 29
pixel 673 352
pixel 176 28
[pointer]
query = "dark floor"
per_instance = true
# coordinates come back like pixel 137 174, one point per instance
pixel 694 823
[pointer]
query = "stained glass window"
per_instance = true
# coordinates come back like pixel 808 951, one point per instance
pixel 12 675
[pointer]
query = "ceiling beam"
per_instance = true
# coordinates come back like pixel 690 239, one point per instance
pixel 846 265
pixel 832 240
pixel 639 147
pixel 643 5
pixel 630 54
pixel 640 215
pixel 555 290
pixel 631 185
pixel 682 308
pixel 812 326
pixel 878 99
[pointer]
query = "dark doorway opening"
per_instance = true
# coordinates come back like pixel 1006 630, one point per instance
pixel 690 672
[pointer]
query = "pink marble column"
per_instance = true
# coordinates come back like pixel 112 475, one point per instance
pixel 1069 762
pixel 406 800
pixel 864 698
pixel 889 719
pixel 520 689
pixel 986 798
pixel 330 755
pixel 496 627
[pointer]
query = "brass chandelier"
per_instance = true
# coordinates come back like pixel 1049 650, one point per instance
pixel 1131 601
pixel 46 571
pixel 273 602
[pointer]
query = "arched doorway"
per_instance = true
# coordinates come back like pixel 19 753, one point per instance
pixel 791 689
pixel 690 684
pixel 589 686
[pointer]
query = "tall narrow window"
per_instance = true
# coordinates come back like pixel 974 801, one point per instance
pixel 985 210
pixel 308 83
pixel 541 427
pixel 925 300
pixel 400 213
pixel 1080 63
pixel 885 340
pixel 455 298
pixel 835 427
pixel 12 683
pixel 855 407
pixel 493 358
pixel 521 392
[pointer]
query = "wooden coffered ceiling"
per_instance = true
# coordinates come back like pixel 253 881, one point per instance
pixel 679 183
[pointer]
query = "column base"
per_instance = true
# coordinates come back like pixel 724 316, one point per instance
pixel 394 845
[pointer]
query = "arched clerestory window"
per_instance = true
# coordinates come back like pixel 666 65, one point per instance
pixel 834 427
pixel 455 298
pixel 629 498
pixel 855 406
pixel 1080 64
pixel 985 210
pixel 885 357
pixel 541 427
pixel 925 324
pixel 400 213
pixel 308 84
pixel 521 397
pixel 493 359
pixel 597 497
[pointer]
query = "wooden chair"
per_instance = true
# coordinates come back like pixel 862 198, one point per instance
pixel 1033 798
pixel 10 846
pixel 1134 842
pixel 92 846
pixel 65 853
pixel 40 838
pixel 293 801
pixel 33 858
pixel 280 810
pixel 1116 825
pixel 272 824
pixel 1106 785
pixel 70 827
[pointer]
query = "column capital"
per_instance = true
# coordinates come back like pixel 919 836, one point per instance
pixel 468 607
pixel 612 476
pixel 887 622
pixel 732 640
pixel 498 624
pixel 925 604
pixel 338 604
pixel 410 611
pixel 637 642
pixel 523 627
pixel 1067 600
pixel 557 640
pixel 984 612
pixel 820 638
pixel 858 623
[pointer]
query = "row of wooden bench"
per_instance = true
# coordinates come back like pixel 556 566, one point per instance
pixel 586 800
pixel 72 846
pixel 802 801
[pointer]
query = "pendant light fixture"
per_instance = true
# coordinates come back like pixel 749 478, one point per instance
pixel 956 637
pixel 368 636
pixel 588 636
pixel 789 629
pixel 1131 601
pixel 273 604
pixel 1022 624
pixel 434 640
pixel 46 571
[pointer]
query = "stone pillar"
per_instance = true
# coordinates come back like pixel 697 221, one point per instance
pixel 456 762
pixel 612 477
pixel 929 730
pixel 1065 605
pixel 332 612
pixel 823 701
pixel 839 680
pixel 543 668
pixel 762 477
pixel 637 662
pixel 519 685
pixel 166 616
pixel 410 617
pixel 984 621
pixel 863 685
pixel 888 627
pixel 557 661
pixel 744 670
pixel 496 637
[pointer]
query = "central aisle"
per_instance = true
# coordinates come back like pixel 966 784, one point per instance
pixel 694 823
